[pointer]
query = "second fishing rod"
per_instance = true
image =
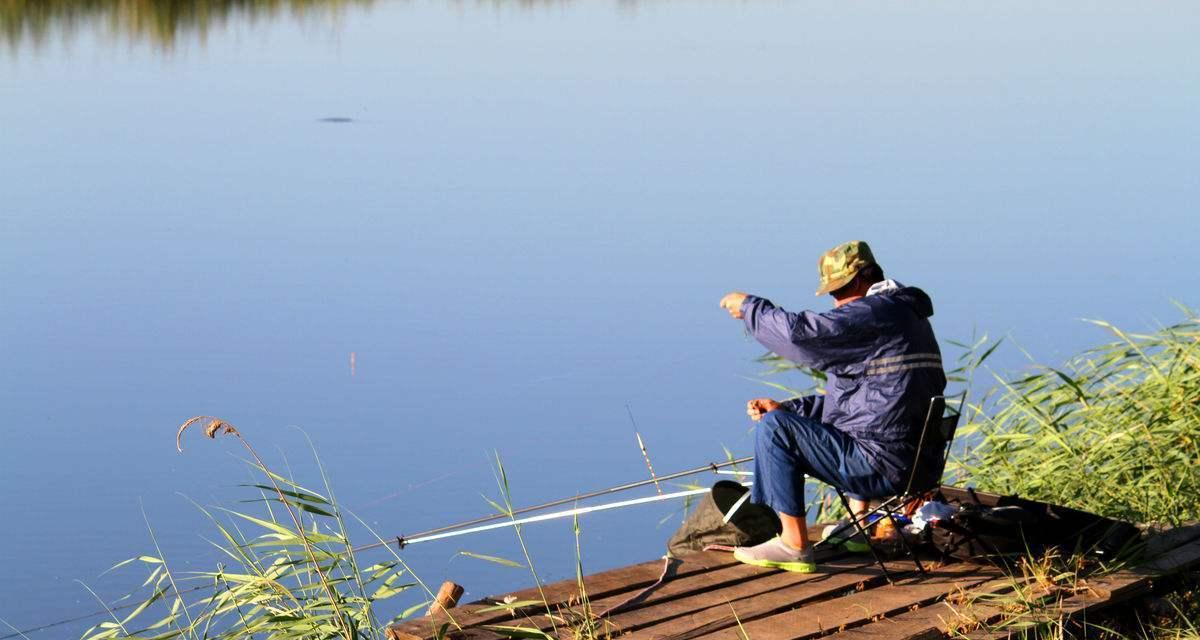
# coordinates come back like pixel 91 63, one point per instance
pixel 712 466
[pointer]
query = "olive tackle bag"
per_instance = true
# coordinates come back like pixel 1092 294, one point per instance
pixel 725 516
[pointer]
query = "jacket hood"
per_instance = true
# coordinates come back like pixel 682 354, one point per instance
pixel 915 298
pixel 912 296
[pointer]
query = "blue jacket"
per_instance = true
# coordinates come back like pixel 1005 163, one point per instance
pixel 882 361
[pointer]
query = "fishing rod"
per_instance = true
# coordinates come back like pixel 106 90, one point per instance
pixel 476 525
pixel 404 540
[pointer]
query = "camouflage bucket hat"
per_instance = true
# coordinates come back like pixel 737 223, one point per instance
pixel 840 264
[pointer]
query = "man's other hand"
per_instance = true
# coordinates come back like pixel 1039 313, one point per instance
pixel 732 302
pixel 758 406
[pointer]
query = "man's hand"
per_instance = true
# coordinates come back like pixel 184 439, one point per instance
pixel 758 406
pixel 732 302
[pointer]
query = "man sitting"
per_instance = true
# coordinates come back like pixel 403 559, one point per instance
pixel 883 365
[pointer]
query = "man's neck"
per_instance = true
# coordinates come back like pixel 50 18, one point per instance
pixel 847 300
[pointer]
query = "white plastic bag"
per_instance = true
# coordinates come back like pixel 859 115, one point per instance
pixel 932 512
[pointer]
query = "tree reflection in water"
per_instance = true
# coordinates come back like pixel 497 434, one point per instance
pixel 160 22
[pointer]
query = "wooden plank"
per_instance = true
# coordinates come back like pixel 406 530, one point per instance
pixel 833 560
pixel 651 606
pixel 762 598
pixel 1106 593
pixel 927 623
pixel 683 587
pixel 696 591
pixel 834 575
pixel 606 583
pixel 936 620
pixel 621 581
pixel 858 608
pixel 1110 590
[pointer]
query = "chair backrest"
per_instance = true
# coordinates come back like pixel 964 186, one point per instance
pixel 947 427
pixel 937 436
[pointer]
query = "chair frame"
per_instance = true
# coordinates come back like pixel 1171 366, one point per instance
pixel 947 426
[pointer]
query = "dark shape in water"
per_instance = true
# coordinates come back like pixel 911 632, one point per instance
pixel 336 119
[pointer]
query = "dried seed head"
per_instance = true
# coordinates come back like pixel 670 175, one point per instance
pixel 211 429
pixel 214 425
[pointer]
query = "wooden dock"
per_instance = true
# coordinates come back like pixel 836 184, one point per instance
pixel 709 595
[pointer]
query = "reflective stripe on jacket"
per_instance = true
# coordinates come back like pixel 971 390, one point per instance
pixel 882 361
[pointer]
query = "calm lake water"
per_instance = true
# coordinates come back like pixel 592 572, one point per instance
pixel 519 217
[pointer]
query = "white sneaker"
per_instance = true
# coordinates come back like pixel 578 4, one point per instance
pixel 777 554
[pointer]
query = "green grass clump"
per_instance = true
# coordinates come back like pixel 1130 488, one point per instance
pixel 1114 431
pixel 289 571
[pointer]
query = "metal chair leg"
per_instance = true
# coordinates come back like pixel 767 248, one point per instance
pixel 907 546
pixel 842 528
pixel 863 532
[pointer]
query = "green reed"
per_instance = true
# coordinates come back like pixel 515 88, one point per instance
pixel 295 574
pixel 292 574
pixel 1114 430
pixel 572 618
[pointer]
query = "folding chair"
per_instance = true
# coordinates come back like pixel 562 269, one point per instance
pixel 937 435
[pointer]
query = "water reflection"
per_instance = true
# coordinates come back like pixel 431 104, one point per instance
pixel 161 22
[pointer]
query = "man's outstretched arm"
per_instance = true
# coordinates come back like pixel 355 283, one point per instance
pixel 812 339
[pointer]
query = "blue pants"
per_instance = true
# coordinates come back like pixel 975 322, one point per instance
pixel 788 447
